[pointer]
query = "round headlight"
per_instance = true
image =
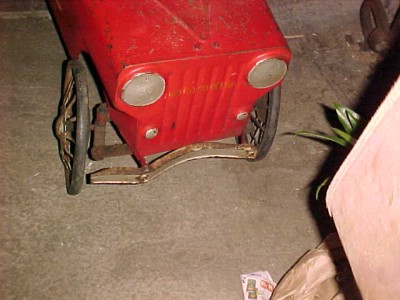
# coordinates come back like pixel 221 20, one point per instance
pixel 143 89
pixel 266 73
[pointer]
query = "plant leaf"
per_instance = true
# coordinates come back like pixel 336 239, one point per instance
pixel 347 117
pixel 347 137
pixel 320 186
pixel 353 117
pixel 342 117
pixel 321 136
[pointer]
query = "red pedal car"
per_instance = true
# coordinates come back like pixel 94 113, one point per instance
pixel 176 76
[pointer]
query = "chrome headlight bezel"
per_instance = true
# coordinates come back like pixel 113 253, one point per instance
pixel 143 89
pixel 267 72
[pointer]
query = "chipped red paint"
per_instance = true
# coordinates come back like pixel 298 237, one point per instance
pixel 203 49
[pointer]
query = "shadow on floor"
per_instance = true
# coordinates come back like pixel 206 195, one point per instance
pixel 382 79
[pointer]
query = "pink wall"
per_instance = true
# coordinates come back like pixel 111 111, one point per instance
pixel 364 201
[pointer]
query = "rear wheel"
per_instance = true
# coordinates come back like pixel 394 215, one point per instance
pixel 261 127
pixel 72 126
pixel 375 25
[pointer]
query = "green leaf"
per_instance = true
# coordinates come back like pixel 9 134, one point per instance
pixel 342 117
pixel 320 186
pixel 321 136
pixel 347 117
pixel 347 137
pixel 353 117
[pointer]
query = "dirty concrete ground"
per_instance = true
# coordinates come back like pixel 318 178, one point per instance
pixel 190 233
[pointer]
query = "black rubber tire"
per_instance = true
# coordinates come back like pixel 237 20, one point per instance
pixel 73 126
pixel 261 127
pixel 375 25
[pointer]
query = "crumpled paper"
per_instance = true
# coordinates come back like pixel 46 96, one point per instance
pixel 321 274
pixel 257 285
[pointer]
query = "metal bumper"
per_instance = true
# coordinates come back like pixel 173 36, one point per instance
pixel 131 175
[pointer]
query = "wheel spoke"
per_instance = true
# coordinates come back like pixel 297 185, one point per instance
pixel 65 160
pixel 68 165
pixel 69 127
pixel 261 127
pixel 257 123
pixel 68 91
pixel 69 137
pixel 70 103
pixel 252 137
pixel 68 153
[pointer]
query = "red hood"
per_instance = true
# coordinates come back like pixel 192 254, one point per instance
pixel 194 16
pixel 155 30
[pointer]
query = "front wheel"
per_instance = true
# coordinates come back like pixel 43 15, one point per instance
pixel 72 126
pixel 261 127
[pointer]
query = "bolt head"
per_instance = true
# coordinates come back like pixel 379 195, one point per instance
pixel 241 116
pixel 151 133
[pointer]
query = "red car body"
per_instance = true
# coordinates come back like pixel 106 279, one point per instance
pixel 204 50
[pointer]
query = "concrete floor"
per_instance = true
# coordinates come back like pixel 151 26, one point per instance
pixel 190 233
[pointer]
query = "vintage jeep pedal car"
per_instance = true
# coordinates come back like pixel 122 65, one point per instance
pixel 176 76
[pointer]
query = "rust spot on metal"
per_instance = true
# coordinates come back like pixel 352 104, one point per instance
pixel 101 152
pixel 197 47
